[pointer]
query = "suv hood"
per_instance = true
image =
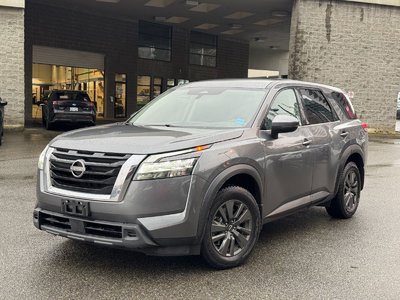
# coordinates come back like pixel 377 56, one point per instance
pixel 121 138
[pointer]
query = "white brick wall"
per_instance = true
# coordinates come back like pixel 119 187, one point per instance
pixel 12 64
pixel 354 46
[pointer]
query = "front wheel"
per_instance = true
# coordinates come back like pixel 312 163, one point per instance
pixel 345 204
pixel 232 229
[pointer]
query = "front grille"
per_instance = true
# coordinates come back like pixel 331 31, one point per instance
pixel 55 221
pixel 90 228
pixel 103 230
pixel 99 177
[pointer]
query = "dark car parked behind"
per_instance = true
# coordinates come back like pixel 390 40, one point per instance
pixel 68 106
pixel 2 104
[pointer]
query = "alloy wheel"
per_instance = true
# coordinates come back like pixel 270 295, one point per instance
pixel 351 191
pixel 231 228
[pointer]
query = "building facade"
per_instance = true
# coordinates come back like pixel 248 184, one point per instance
pixel 124 62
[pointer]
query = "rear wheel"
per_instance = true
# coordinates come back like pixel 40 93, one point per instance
pixel 232 229
pixel 345 204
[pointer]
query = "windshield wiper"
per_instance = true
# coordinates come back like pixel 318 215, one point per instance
pixel 161 125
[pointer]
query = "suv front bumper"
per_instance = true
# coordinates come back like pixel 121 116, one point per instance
pixel 150 218
pixel 112 234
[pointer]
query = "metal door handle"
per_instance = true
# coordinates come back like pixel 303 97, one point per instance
pixel 344 134
pixel 307 142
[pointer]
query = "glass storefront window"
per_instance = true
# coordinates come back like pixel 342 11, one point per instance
pixel 120 96
pixel 157 86
pixel 203 49
pixel 170 83
pixel 46 78
pixel 143 90
pixel 154 41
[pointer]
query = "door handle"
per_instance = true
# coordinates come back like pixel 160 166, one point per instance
pixel 344 134
pixel 307 142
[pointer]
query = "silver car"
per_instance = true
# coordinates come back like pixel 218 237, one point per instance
pixel 202 167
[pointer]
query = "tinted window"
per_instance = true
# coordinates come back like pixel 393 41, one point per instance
pixel 316 107
pixel 203 49
pixel 69 96
pixel 154 41
pixel 202 107
pixel 344 104
pixel 285 103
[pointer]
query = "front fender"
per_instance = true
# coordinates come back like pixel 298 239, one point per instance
pixel 217 183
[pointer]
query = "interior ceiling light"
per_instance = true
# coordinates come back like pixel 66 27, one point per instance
pixel 280 13
pixel 273 47
pixel 205 7
pixel 192 2
pixel 159 19
pixel 232 31
pixel 259 40
pixel 108 1
pixel 159 3
pixel 269 22
pixel 206 26
pixel 236 26
pixel 239 15
pixel 176 20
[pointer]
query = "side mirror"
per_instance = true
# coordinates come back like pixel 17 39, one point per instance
pixel 283 123
pixel 3 103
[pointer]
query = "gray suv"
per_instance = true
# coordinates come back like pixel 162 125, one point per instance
pixel 201 168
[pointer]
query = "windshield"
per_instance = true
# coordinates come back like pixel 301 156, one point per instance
pixel 202 107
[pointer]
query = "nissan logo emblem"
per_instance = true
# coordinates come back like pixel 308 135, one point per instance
pixel 78 168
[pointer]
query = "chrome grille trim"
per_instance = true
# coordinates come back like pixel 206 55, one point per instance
pixel 124 177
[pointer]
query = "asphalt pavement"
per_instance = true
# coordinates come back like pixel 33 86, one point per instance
pixel 304 256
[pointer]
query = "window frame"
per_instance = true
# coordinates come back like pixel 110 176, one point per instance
pixel 141 45
pixel 307 122
pixel 302 115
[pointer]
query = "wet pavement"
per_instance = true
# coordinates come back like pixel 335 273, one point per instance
pixel 305 256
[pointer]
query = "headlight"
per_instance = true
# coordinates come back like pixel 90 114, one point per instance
pixel 41 158
pixel 158 170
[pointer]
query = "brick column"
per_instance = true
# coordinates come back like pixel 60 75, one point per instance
pixel 12 87
pixel 354 46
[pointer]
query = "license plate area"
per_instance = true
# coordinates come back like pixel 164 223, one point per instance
pixel 73 109
pixel 75 207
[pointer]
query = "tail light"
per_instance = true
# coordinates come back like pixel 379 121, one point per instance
pixel 365 126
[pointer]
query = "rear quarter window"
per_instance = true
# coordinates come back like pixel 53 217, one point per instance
pixel 344 104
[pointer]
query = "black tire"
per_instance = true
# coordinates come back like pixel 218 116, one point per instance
pixel 241 233
pixel 346 201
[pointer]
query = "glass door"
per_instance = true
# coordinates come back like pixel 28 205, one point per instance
pixel 120 96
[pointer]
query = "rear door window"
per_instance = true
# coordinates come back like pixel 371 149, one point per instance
pixel 316 108
pixel 345 105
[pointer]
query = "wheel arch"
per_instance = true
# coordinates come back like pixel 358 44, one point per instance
pixel 242 175
pixel 354 154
